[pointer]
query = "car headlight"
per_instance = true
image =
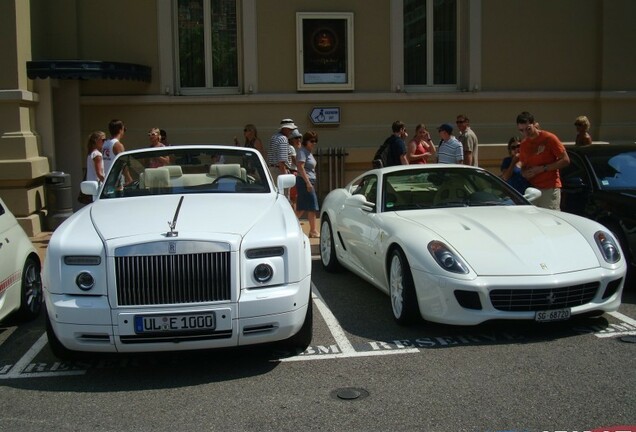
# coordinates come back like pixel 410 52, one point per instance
pixel 446 258
pixel 263 273
pixel 85 281
pixel 608 247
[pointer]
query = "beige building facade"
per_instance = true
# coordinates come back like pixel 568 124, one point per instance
pixel 215 65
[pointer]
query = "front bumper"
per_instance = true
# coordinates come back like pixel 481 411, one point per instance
pixel 438 303
pixel 260 316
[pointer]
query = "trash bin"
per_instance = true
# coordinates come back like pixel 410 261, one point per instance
pixel 59 198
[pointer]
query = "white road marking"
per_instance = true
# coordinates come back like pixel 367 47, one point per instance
pixel 6 333
pixel 27 358
pixel 332 322
pixel 616 330
pixel 619 316
pixel 340 337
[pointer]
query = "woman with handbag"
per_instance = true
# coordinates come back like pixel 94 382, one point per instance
pixel 94 162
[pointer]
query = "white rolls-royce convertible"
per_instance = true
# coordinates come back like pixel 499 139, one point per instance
pixel 456 245
pixel 183 247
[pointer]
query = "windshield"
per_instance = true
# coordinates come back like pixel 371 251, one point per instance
pixel 452 187
pixel 175 170
pixel 615 171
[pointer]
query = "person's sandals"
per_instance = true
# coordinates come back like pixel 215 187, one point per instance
pixel 314 235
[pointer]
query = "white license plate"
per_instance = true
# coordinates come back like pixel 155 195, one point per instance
pixel 174 323
pixel 552 315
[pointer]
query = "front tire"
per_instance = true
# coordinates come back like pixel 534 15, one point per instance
pixel 328 247
pixel 402 289
pixel 31 294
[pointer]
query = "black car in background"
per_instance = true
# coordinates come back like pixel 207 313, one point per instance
pixel 600 184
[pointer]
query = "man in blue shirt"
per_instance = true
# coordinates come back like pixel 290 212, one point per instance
pixel 397 147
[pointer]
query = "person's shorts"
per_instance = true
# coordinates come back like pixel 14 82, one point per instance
pixel 550 198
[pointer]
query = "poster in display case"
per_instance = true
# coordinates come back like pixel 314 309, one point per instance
pixel 324 44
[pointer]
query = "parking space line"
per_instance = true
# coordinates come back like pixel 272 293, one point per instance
pixel 626 328
pixel 624 318
pixel 332 322
pixel 346 348
pixel 27 358
pixel 6 334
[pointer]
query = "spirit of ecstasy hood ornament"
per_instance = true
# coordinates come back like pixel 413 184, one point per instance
pixel 173 224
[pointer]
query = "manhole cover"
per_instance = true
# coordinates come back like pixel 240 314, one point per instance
pixel 349 393
pixel 629 339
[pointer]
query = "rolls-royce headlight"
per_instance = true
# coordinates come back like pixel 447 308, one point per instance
pixel 85 281
pixel 446 258
pixel 263 273
pixel 609 249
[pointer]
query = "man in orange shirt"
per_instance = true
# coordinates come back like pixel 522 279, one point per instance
pixel 542 155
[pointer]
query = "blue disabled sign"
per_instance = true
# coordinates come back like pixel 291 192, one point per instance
pixel 326 116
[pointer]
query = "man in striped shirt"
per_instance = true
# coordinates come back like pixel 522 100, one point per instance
pixel 450 150
pixel 278 154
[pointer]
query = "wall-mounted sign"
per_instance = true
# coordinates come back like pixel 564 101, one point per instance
pixel 325 116
pixel 324 42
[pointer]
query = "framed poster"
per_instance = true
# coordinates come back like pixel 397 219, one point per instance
pixel 324 44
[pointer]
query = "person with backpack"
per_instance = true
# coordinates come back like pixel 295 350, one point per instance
pixel 393 151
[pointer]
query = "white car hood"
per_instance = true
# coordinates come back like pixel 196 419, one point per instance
pixel 212 213
pixel 520 241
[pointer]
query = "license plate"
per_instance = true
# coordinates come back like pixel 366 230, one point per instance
pixel 552 315
pixel 174 323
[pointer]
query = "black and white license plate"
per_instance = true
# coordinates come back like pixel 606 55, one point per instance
pixel 552 315
pixel 174 323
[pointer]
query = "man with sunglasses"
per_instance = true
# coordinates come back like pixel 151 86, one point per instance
pixel 469 140
pixel 542 155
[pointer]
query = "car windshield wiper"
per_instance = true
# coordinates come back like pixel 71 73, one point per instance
pixel 411 206
pixel 451 204
pixel 486 203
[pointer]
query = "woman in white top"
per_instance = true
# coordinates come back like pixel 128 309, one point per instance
pixel 94 161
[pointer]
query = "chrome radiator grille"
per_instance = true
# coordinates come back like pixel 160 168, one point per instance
pixel 523 300
pixel 173 279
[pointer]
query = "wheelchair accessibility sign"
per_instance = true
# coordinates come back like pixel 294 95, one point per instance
pixel 325 116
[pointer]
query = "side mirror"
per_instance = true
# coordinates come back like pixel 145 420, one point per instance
pixel 360 201
pixel 90 187
pixel 532 194
pixel 285 181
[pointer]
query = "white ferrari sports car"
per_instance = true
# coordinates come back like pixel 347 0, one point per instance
pixel 456 245
pixel 184 247
pixel 20 281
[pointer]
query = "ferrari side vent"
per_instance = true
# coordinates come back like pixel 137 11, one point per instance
pixel 611 288
pixel 468 299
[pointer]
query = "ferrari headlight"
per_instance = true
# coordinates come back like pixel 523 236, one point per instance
pixel 446 258
pixel 608 247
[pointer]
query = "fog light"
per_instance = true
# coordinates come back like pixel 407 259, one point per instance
pixel 85 281
pixel 263 273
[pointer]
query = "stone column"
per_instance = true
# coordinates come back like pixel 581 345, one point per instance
pixel 22 168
